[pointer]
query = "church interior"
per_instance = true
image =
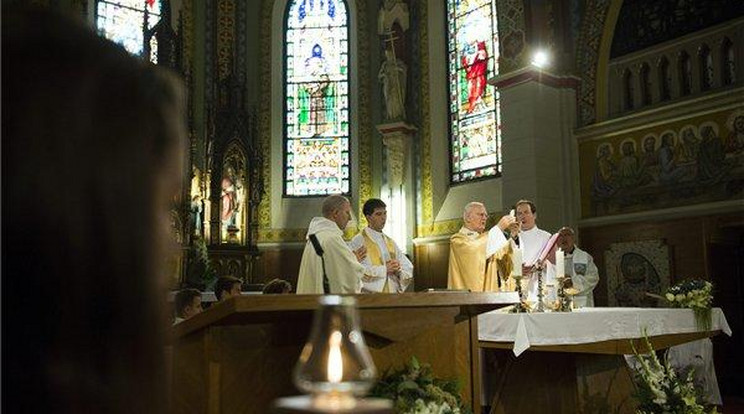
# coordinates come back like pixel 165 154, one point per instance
pixel 622 120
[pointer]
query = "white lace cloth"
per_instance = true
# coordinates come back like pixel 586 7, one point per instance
pixel 588 325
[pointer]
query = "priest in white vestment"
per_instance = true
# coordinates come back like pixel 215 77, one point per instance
pixel 531 241
pixel 579 267
pixel 388 270
pixel 341 263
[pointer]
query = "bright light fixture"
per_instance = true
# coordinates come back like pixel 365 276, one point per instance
pixel 540 59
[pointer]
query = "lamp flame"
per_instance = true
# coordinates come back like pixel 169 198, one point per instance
pixel 335 362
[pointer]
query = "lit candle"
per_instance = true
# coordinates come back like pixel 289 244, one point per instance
pixel 559 264
pixel 335 363
pixel 517 262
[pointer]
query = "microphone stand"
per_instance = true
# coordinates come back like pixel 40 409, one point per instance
pixel 319 251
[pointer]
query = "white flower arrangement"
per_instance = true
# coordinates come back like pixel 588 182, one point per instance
pixel 695 294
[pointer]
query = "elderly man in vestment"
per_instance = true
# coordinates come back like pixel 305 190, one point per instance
pixel 388 270
pixel 476 257
pixel 531 241
pixel 342 265
pixel 580 271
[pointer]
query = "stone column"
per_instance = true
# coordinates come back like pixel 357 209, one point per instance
pixel 397 137
pixel 539 155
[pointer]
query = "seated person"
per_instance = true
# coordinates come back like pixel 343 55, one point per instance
pixel 188 304
pixel 279 286
pixel 227 287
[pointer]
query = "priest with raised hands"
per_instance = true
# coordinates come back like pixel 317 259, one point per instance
pixel 342 265
pixel 471 248
pixel 388 270
pixel 531 241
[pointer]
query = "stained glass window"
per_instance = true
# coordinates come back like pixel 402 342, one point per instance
pixel 316 146
pixel 124 22
pixel 475 127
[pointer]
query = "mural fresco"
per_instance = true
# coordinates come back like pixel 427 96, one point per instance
pixel 634 268
pixel 697 160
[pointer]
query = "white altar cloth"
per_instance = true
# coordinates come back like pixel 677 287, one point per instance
pixel 588 325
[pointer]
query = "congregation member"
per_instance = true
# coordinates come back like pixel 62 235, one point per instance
pixel 227 287
pixel 531 241
pixel 471 248
pixel 277 286
pixel 581 272
pixel 341 265
pixel 93 144
pixel 388 270
pixel 188 304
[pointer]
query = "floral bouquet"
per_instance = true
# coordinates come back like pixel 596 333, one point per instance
pixel 695 294
pixel 415 390
pixel 661 391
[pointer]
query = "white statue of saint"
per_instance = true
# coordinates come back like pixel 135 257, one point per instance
pixel 393 77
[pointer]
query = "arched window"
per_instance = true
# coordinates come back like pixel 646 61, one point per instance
pixel 475 130
pixel 706 68
pixel 129 22
pixel 665 80
pixel 316 76
pixel 645 77
pixel 628 89
pixel 684 66
pixel 728 66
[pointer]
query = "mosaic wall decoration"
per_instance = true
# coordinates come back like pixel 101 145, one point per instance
pixel 122 21
pixel 473 53
pixel 317 98
pixel 696 160
pixel 634 268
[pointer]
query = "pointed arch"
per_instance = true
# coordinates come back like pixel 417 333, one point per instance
pixel 665 79
pixel 127 22
pixel 644 76
pixel 705 62
pixel 728 66
pixel 684 67
pixel 316 98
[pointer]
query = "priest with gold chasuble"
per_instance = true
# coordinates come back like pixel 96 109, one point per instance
pixel 388 270
pixel 477 258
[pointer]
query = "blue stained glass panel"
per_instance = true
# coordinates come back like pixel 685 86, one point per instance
pixel 475 130
pixel 317 102
pixel 124 22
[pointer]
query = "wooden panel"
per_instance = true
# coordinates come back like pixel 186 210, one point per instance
pixel 431 265
pixel 279 263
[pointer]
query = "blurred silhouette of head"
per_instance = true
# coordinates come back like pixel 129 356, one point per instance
pixel 91 160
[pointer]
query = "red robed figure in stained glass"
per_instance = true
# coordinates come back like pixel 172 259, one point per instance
pixel 476 65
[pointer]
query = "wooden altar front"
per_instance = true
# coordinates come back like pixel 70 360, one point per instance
pixel 238 356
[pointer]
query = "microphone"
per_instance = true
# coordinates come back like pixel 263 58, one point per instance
pixel 319 251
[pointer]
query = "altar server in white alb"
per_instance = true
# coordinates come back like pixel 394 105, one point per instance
pixel 342 265
pixel 579 267
pixel 531 241
pixel 388 270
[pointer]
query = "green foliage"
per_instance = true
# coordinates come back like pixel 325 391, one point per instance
pixel 415 390
pixel 661 391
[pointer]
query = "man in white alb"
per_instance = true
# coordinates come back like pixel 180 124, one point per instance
pixel 580 269
pixel 388 270
pixel 531 241
pixel 341 263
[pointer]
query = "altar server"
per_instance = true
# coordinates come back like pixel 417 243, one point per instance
pixel 579 267
pixel 388 270
pixel 341 263
pixel 471 248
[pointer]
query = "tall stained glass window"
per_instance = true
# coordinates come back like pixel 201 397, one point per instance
pixel 475 128
pixel 316 145
pixel 125 22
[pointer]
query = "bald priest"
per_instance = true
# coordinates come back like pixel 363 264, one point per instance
pixel 477 257
pixel 342 265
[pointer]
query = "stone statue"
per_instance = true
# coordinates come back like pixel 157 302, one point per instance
pixel 393 77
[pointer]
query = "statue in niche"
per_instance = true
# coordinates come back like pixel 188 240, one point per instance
pixel 232 197
pixel 392 23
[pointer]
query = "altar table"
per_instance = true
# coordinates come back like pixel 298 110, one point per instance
pixel 573 362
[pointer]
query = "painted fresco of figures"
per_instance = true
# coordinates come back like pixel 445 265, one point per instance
pixel 632 173
pixel 711 156
pixel 735 124
pixel 638 277
pixel 689 144
pixel 605 173
pixel 669 171
pixel 650 151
